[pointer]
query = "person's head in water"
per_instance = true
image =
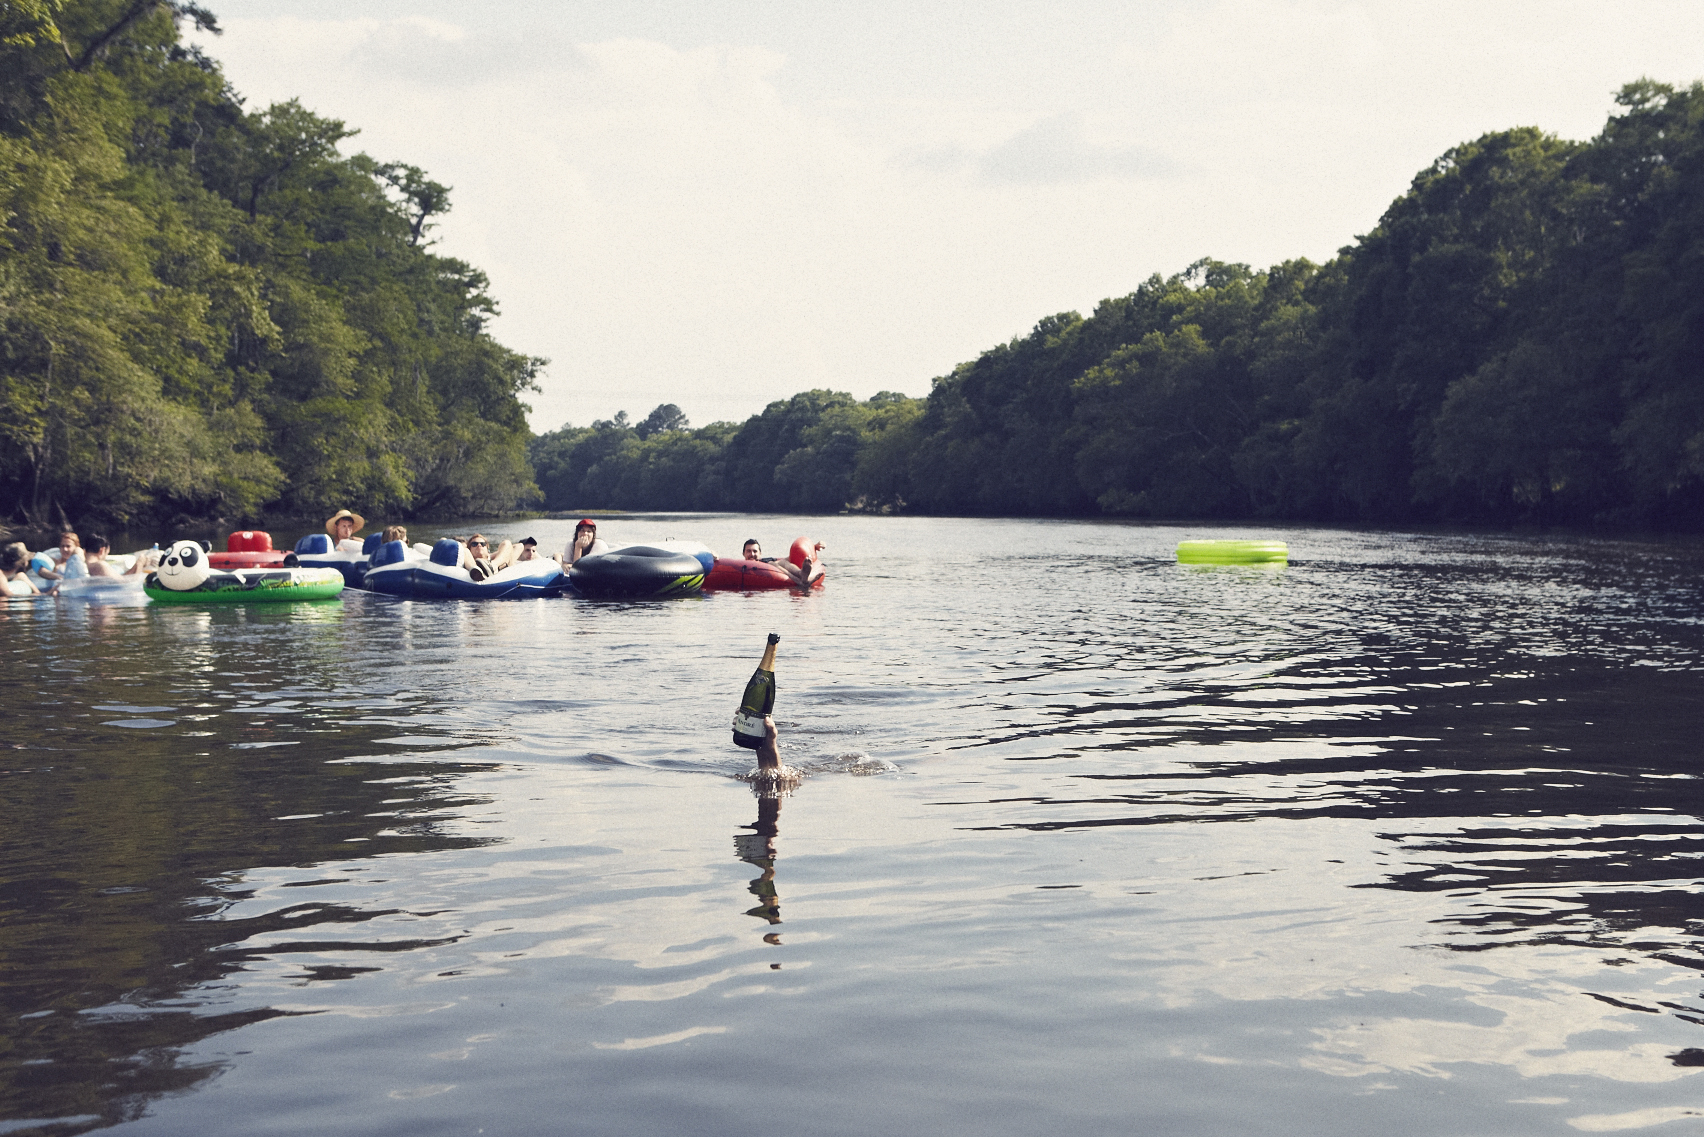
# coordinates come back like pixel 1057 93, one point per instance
pixel 753 551
pixel 68 546
pixel 97 547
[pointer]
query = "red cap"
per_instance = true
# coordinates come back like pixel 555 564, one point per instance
pixel 586 522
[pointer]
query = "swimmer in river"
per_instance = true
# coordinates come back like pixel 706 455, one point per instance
pixel 771 776
pixel 95 554
pixel 769 752
pixel 68 564
pixel 15 565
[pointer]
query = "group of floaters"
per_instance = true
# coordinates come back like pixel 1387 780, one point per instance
pixel 322 565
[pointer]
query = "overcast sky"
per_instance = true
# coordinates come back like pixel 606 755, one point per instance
pixel 718 205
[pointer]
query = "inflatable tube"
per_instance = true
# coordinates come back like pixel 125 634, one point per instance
pixel 251 586
pixel 101 587
pixel 399 571
pixel 247 548
pixel 317 550
pixel 1232 552
pixel 733 574
pixel 637 572
pixel 701 553
pixel 21 588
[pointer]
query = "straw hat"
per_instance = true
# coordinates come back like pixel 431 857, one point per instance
pixel 360 522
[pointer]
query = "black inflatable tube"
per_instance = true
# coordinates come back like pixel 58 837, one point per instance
pixel 637 573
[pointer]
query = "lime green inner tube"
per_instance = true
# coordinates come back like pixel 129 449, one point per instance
pixel 285 585
pixel 1232 552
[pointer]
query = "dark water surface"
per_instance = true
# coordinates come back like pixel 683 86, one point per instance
pixel 1404 838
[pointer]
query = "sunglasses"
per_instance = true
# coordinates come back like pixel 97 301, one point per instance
pixel 471 544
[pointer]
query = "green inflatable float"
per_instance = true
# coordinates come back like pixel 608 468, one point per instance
pixel 184 577
pixel 1232 553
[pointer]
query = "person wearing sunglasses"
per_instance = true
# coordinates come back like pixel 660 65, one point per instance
pixel 481 562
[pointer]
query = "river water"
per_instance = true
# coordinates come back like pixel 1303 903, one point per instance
pixel 1404 837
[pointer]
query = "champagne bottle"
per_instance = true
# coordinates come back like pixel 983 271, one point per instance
pixel 759 700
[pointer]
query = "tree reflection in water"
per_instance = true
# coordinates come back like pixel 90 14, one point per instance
pixel 115 946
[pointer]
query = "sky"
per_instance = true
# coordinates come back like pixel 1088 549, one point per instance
pixel 719 205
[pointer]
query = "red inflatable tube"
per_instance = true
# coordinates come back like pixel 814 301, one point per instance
pixel 732 574
pixel 247 548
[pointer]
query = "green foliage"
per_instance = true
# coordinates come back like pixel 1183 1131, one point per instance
pixel 1519 339
pixel 802 454
pixel 210 312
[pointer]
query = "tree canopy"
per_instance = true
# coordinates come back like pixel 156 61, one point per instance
pixel 208 311
pixel 1520 339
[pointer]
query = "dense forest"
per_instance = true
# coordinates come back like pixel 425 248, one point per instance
pixel 208 312
pixel 1520 340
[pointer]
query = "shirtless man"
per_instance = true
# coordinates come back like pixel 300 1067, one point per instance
pixel 801 574
pixel 96 556
pixel 342 526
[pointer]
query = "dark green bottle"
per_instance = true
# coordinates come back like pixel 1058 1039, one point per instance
pixel 759 700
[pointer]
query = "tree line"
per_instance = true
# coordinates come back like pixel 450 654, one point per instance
pixel 209 312
pixel 1519 340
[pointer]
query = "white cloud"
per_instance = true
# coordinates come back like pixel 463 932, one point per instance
pixel 1053 151
pixel 718 209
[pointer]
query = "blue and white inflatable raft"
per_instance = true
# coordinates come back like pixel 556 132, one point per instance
pixel 317 550
pixel 397 570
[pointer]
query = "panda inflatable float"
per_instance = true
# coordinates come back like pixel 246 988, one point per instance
pixel 185 576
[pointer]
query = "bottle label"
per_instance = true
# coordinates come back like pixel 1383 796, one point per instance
pixel 749 725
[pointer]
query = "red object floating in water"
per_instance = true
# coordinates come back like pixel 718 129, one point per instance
pixel 247 548
pixel 734 574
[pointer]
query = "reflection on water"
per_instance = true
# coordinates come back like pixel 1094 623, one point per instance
pixel 1405 836
pixel 129 833
pixel 758 848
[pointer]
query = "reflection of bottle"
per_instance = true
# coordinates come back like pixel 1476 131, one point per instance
pixel 758 848
pixel 759 700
